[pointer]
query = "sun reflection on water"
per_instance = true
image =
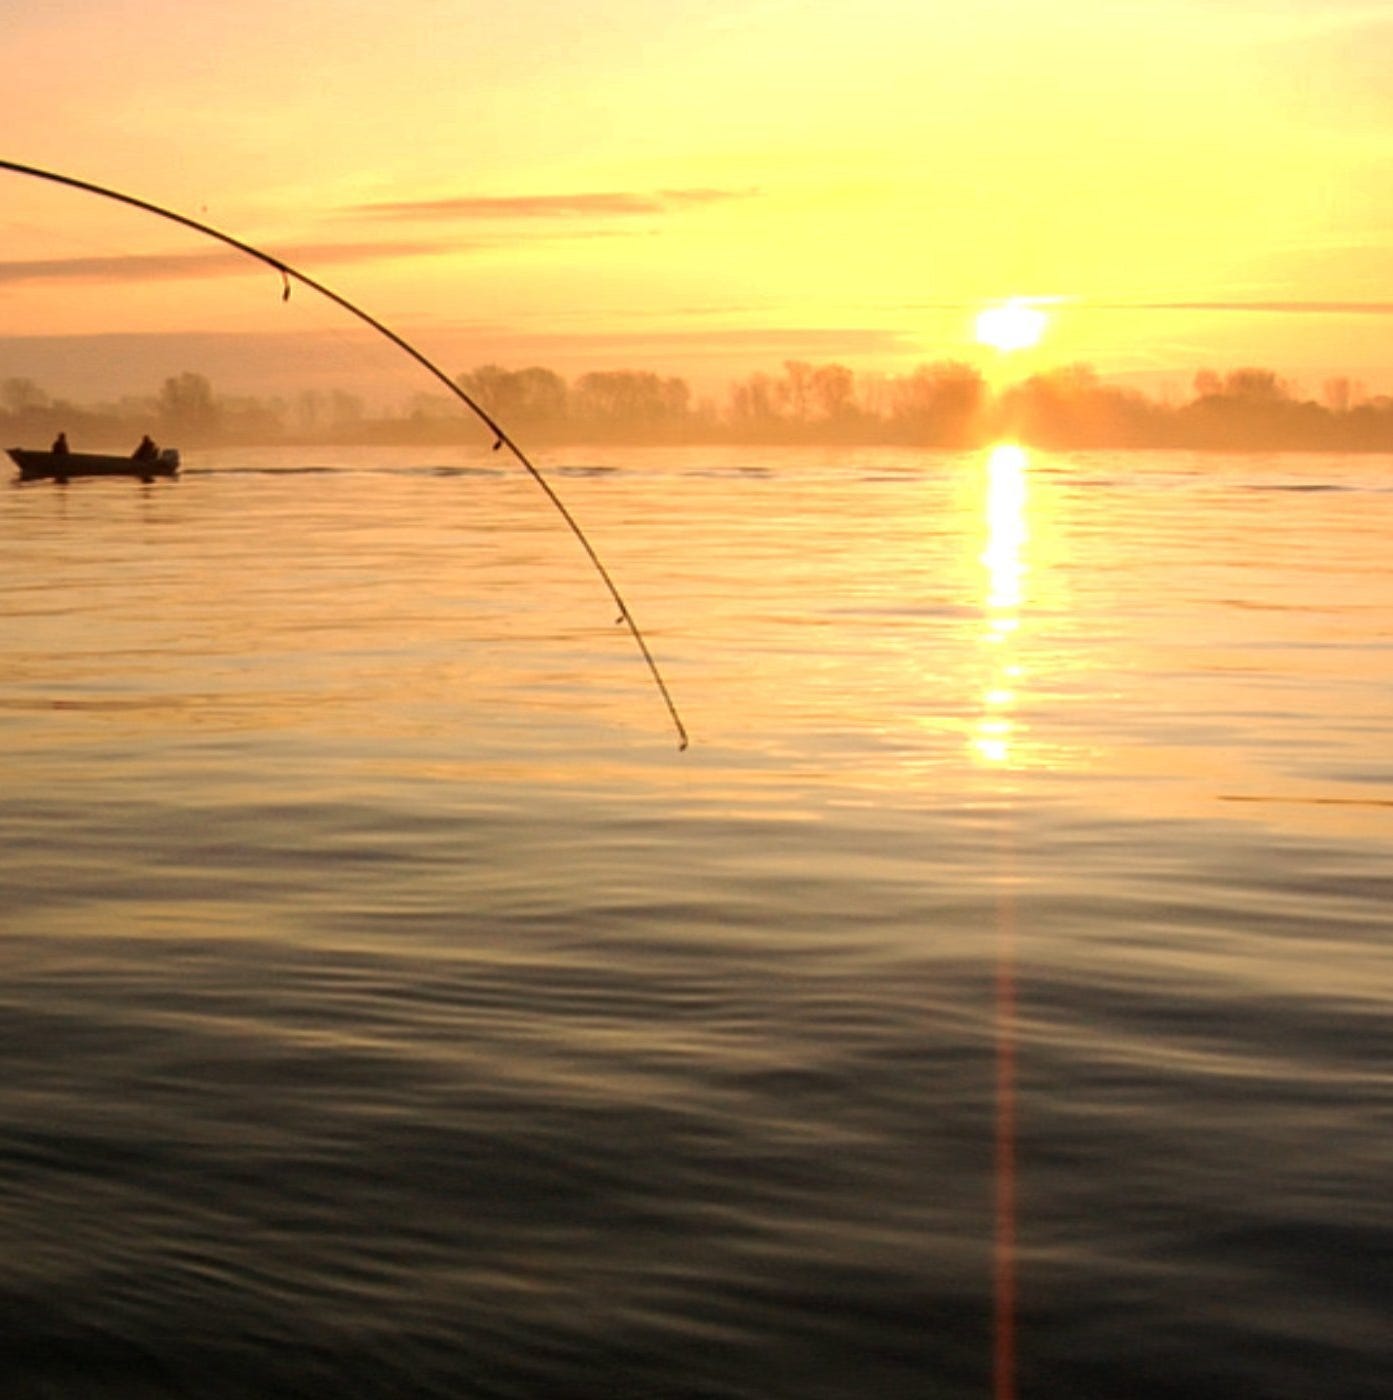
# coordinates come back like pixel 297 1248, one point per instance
pixel 1003 558
pixel 994 742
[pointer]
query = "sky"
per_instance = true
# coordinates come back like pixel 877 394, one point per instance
pixel 706 187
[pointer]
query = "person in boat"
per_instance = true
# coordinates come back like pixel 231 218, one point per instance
pixel 147 451
pixel 60 445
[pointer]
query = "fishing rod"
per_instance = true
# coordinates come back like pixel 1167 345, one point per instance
pixel 500 436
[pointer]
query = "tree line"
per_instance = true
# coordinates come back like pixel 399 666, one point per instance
pixel 945 404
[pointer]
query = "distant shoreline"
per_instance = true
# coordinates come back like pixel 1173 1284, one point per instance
pixel 941 406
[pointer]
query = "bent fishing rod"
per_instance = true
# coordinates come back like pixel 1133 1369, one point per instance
pixel 500 436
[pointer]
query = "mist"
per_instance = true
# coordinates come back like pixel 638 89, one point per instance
pixel 946 404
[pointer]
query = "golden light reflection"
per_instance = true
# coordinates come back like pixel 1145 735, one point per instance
pixel 1003 558
pixel 1006 518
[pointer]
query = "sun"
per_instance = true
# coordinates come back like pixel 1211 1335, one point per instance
pixel 1011 325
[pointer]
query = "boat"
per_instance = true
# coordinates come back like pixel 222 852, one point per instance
pixel 35 465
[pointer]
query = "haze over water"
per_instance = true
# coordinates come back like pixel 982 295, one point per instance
pixel 992 1001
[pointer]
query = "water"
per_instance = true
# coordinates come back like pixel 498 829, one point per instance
pixel 993 1001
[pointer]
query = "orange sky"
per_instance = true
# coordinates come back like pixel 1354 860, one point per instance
pixel 706 187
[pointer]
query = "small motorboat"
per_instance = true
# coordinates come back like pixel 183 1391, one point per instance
pixel 35 465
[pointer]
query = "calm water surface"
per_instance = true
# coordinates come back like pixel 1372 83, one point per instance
pixel 992 1002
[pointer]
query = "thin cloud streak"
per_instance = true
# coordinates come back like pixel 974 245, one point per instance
pixel 1293 308
pixel 606 204
pixel 167 267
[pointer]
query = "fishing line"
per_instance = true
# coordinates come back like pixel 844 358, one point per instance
pixel 500 436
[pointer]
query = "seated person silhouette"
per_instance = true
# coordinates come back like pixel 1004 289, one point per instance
pixel 60 445
pixel 147 451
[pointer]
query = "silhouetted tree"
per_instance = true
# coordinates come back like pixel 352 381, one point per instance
pixel 346 411
pixel 542 395
pixel 1340 393
pixel 534 395
pixel 834 392
pixel 309 410
pixel 796 389
pixel 1208 384
pixel 21 395
pixel 187 405
pixel 1249 407
pixel 1072 407
pixel 1256 386
pixel 754 403
pixel 946 404
pixel 490 387
pixel 626 398
pixel 939 403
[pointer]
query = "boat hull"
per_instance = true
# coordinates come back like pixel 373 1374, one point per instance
pixel 62 466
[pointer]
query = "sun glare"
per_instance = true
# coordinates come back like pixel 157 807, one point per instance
pixel 1011 325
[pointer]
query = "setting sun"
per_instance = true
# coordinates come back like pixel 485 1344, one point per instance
pixel 1011 325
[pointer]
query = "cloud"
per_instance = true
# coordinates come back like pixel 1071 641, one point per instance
pixel 1273 307
pixel 1293 308
pixel 609 204
pixel 129 268
pixel 164 267
pixel 167 267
